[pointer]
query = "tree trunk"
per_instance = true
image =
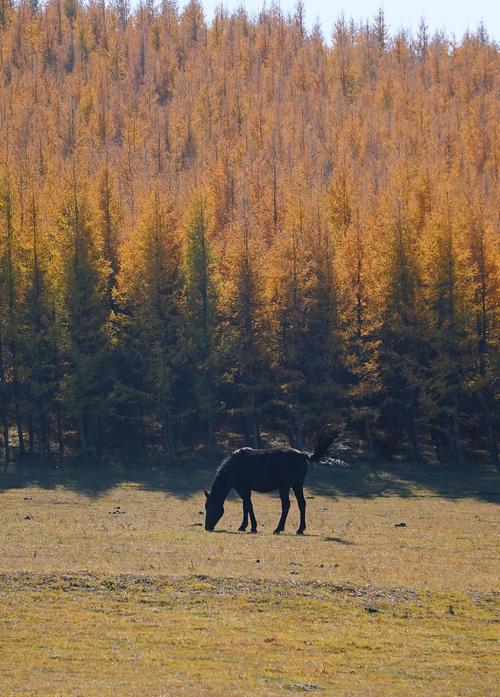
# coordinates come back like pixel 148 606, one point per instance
pixel 20 434
pixel 492 443
pixel 6 444
pixel 295 431
pixel 31 433
pixel 441 443
pixel 456 444
pixel 252 430
pixel 212 445
pixel 3 410
pixel 168 433
pixel 92 435
pixel 417 454
pixel 99 434
pixel 44 434
pixel 369 438
pixel 60 436
pixel 82 435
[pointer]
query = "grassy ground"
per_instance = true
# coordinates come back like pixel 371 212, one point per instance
pixel 110 585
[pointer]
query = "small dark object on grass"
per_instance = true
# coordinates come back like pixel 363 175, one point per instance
pixel 257 561
pixel 451 611
pixel 307 687
pixel 28 517
pixel 28 498
pixel 370 609
pixel 400 525
pixel 249 469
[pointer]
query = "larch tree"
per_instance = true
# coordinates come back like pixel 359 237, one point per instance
pixel 151 306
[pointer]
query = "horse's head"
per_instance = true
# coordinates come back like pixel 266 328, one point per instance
pixel 214 510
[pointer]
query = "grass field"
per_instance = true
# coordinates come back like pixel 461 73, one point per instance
pixel 110 585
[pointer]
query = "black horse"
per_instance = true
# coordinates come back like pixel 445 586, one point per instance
pixel 248 470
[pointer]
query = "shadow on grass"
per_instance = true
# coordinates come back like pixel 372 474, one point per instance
pixel 188 478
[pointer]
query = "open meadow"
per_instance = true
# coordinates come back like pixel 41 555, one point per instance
pixel 110 585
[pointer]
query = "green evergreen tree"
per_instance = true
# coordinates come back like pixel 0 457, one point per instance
pixel 201 307
pixel 402 348
pixel 245 364
pixel 11 359
pixel 150 320
pixel 39 331
pixel 87 378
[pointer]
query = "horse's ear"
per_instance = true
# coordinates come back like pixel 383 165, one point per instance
pixel 206 494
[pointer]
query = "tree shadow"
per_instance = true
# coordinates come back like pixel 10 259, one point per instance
pixel 404 479
pixel 96 478
pixel 185 479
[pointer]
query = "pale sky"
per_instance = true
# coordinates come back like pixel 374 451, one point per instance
pixel 454 16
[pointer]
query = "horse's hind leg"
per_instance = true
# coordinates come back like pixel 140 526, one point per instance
pixel 299 494
pixel 285 507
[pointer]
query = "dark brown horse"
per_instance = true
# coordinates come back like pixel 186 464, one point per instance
pixel 248 470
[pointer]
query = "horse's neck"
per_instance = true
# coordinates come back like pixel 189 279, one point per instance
pixel 221 486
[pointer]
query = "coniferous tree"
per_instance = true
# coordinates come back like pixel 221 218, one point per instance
pixel 402 349
pixel 10 309
pixel 201 308
pixel 39 336
pixel 448 300
pixel 87 378
pixel 343 303
pixel 152 306
pixel 243 354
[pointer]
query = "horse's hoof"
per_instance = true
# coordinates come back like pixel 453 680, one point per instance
pixel 242 529
pixel 277 532
pixel 300 532
pixel 254 532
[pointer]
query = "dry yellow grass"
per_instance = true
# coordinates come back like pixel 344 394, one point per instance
pixel 117 589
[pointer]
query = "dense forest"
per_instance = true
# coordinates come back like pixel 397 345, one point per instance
pixel 245 226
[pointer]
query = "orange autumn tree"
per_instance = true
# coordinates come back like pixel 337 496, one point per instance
pixel 344 262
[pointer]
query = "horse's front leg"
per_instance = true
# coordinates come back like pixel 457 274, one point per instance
pixel 244 522
pixel 299 494
pixel 247 511
pixel 285 507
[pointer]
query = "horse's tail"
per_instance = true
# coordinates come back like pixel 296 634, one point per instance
pixel 325 439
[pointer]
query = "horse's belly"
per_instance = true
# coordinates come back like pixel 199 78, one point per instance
pixel 265 488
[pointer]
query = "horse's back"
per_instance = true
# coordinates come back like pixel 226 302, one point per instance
pixel 265 470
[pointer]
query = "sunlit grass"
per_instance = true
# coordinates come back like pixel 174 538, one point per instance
pixel 124 593
pixel 127 635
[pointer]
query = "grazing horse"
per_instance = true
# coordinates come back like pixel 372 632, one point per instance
pixel 248 469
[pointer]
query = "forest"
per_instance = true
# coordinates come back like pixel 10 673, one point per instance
pixel 245 226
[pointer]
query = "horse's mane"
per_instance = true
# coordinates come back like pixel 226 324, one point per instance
pixel 221 470
pixel 223 466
